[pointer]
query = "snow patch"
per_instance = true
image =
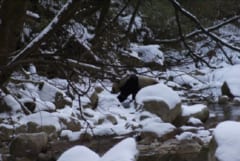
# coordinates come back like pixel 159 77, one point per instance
pixel 147 53
pixel 79 153
pixel 159 92
pixel 126 150
pixel 189 110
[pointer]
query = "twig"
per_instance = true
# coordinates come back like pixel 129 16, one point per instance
pixel 196 32
pixel 194 56
pixel 194 19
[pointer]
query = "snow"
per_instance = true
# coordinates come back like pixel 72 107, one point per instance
pixel 158 92
pixel 184 78
pixel 227 138
pixel 48 92
pixel 230 75
pixel 12 103
pixel 124 21
pixel 192 109
pixel 185 136
pixel 126 150
pixel 147 53
pixel 42 118
pixel 157 127
pixel 79 153
pixel 70 135
pixel 194 121
pixel 203 135
pixel 32 14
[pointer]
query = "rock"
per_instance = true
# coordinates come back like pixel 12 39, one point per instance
pixel 28 145
pixel 112 119
pixel 212 150
pixel 49 93
pixel 225 143
pixel 227 90
pixel 9 104
pixel 50 130
pixel 94 97
pixel 85 153
pixel 160 100
pixel 223 99
pixel 61 101
pixel 198 111
pixel 6 132
pixel 160 108
pixel 236 101
pixel 152 129
pixel 31 106
pixel 71 124
pixel 171 149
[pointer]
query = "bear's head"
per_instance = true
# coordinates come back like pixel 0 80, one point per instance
pixel 118 84
pixel 115 87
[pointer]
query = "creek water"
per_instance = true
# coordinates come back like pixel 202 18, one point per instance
pixel 219 113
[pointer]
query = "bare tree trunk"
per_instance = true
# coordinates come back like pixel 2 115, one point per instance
pixel 12 15
pixel 64 14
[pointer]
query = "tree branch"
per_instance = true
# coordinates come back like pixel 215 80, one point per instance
pixel 64 14
pixel 191 53
pixel 194 19
pixel 133 16
pixel 196 32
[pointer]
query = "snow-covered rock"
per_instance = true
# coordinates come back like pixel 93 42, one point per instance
pixel 126 150
pixel 79 153
pixel 6 132
pixel 199 111
pixel 50 93
pixel 225 145
pixel 160 100
pixel 10 104
pixel 154 128
pixel 42 118
pixel 148 53
pixel 94 98
pixel 193 114
pixel 227 79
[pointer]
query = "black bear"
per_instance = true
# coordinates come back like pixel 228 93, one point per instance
pixel 131 84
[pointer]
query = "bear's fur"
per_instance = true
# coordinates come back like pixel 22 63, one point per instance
pixel 131 84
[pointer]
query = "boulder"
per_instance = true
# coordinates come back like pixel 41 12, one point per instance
pixel 6 132
pixel 224 99
pixel 225 144
pixel 160 100
pixel 236 101
pixel 10 104
pixel 230 88
pixel 198 111
pixel 94 97
pixel 28 145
